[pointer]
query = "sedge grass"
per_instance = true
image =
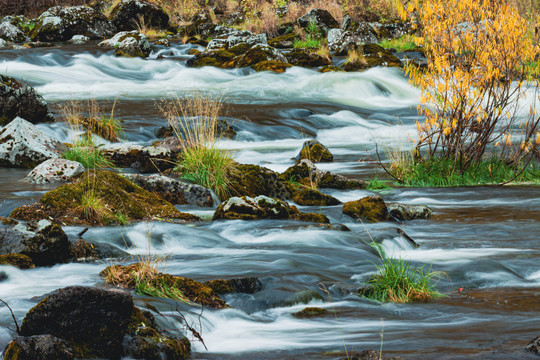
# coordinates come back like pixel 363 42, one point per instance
pixel 85 152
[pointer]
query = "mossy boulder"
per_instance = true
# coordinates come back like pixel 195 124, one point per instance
pixel 403 212
pixel 260 53
pixel 315 151
pixel 93 321
pixel 129 44
pixel 307 58
pixel 247 285
pixel 219 58
pixel 371 208
pixel 310 312
pixel 19 99
pixel 144 159
pixel 330 68
pixel 271 65
pixel 263 207
pixel 129 14
pixel 284 41
pixel 321 19
pixel 38 347
pixel 20 261
pixel 253 180
pixel 112 195
pixel 307 174
pixel 311 197
pixel 193 290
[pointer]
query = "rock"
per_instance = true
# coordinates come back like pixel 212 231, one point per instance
pixel 3 44
pixel 253 180
pixel 20 99
pixel 92 320
pixel 193 290
pixel 311 197
pixel 307 174
pixel 393 30
pixel 22 145
pixel 46 244
pixel 112 197
pixel 12 33
pixel 174 191
pixel 403 212
pixel 262 207
pixel 284 41
pixel 55 170
pixel 62 23
pixel 373 55
pixel 20 261
pixel 163 42
pixel 310 312
pixel 145 159
pixel 371 355
pixel 38 347
pixel 247 285
pixel 330 68
pixel 315 151
pixel 371 208
pixel 83 250
pixel 79 39
pixel 271 65
pixel 130 14
pixel 322 19
pixel 219 58
pixel 259 53
pixel 341 42
pixel 129 43
pixel 534 346
pixel 306 58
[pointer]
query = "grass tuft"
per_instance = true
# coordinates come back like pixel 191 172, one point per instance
pixel 87 153
pixel 403 43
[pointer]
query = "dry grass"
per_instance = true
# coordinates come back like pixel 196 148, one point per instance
pixel 324 53
pixel 332 6
pixel 355 56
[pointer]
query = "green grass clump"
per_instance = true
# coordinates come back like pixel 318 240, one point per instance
pixel 399 281
pixel 376 184
pixel 88 154
pixel 309 43
pixel 159 288
pixel 403 43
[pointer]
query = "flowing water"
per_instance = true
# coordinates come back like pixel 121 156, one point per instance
pixel 483 239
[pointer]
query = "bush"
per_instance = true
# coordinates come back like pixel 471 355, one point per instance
pixel 477 77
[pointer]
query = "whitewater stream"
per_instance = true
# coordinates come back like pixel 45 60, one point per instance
pixel 484 240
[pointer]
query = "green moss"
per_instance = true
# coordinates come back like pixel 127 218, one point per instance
pixel 316 153
pixel 271 65
pixel 330 68
pixel 310 197
pixel 218 58
pixel 306 58
pixel 254 180
pixel 283 41
pixel 18 260
pixel 240 49
pixel 310 312
pixel 371 208
pixel 117 194
pixel 220 286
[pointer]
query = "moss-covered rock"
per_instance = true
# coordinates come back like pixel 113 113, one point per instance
pixel 263 207
pixel 310 312
pixel 284 41
pixel 253 180
pixel 240 49
pixel 330 68
pixel 260 53
pixel 144 159
pixel 311 197
pixel 20 261
pixel 315 151
pixel 307 174
pixel 19 99
pixel 42 347
pixel 271 65
pixel 247 285
pixel 402 212
pixel 129 44
pixel 219 58
pixel 373 55
pixel 371 208
pixel 193 290
pixel 307 58
pixel 97 198
pixel 128 14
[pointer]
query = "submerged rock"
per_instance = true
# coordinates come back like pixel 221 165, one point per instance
pixel 55 170
pixel 534 346
pixel 402 212
pixel 315 151
pixel 62 23
pixel 311 197
pixel 271 65
pixel 132 14
pixel 307 174
pixel 82 251
pixel 175 191
pixel 39 347
pixel 371 208
pixel 253 180
pixel 247 285
pixel 263 207
pixel 22 145
pixel 310 312
pixel 372 355
pixel 20 261
pixel 20 99
pixel 129 43
pixel 100 197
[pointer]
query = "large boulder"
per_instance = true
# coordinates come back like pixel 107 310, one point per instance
pixel 93 320
pixel 132 14
pixel 54 171
pixel 371 208
pixel 175 191
pixel 44 243
pixel 12 33
pixel 62 23
pixel 129 43
pixel 145 159
pixel 22 145
pixel 38 347
pixel 100 197
pixel 342 41
pixel 259 53
pixel 307 174
pixel 262 207
pixel 312 197
pixel 226 37
pixel 20 99
pixel 315 151
pixel 320 19
pixel 218 58
pixel 254 180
